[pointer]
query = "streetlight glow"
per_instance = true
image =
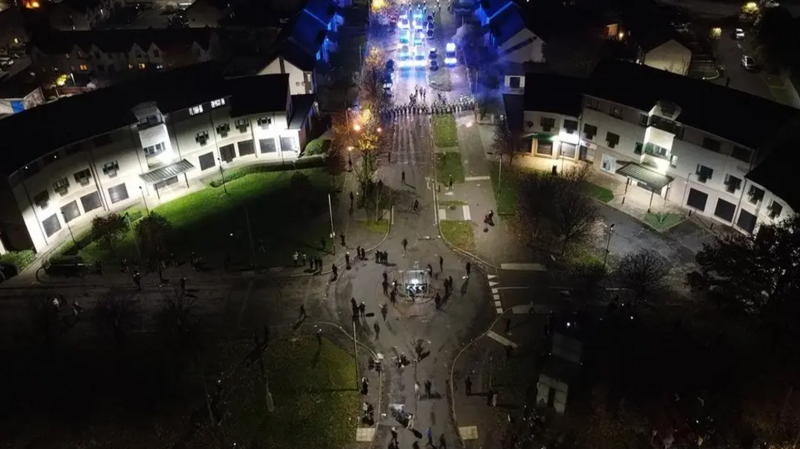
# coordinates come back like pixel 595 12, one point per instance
pixel 357 128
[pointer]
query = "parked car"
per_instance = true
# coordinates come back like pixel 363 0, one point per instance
pixel 432 53
pixel 749 63
pixel 450 54
pixel 430 33
pixel 404 33
pixel 434 65
pixel 738 34
pixel 390 66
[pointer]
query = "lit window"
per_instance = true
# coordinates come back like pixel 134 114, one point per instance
pixel 217 103
pixel 159 66
pixel 84 67
pixel 194 110
pixel 130 66
pixel 142 66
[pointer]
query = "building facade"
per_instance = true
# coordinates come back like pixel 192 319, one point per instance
pixel 685 142
pixel 163 137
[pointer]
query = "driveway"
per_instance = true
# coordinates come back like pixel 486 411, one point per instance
pixel 730 56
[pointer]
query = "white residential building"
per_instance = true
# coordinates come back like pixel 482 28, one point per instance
pixel 110 148
pixel 688 142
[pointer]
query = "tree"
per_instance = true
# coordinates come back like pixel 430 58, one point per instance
pixel 642 272
pixel 177 318
pixel 574 214
pixel 335 163
pixel 108 230
pixel 152 232
pixel 757 275
pixel 776 39
pixel 118 313
pixel 506 141
pixel 536 202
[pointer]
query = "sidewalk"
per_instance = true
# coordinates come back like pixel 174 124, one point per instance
pixel 488 366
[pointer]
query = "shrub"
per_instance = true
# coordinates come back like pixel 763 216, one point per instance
pixel 19 258
pixel 317 146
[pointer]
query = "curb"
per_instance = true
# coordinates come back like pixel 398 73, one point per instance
pixel 640 220
pixel 453 368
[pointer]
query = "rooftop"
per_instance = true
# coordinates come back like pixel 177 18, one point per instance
pixel 324 10
pixel 507 24
pixel 554 93
pixel 51 126
pixel 121 41
pixel 774 170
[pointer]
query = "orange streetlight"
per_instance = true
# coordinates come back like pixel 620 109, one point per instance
pixel 380 130
pixel 357 128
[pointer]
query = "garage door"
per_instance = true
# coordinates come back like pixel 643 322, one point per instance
pixel 90 202
pixel 746 221
pixel 725 210
pixel 51 225
pixel 289 144
pixel 697 199
pixel 118 193
pixel 268 145
pixel 71 211
pixel 246 148
pixel 206 161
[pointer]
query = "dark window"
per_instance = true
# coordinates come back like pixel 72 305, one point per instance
pixel 638 148
pixel 83 177
pixel 267 145
pixel 570 126
pixel 246 147
pixel 72 149
pixel 612 139
pixel 545 147
pixel 732 183
pixel 589 131
pixel 101 68
pixel 99 141
pixel 697 199
pixel 111 168
pixel 592 103
pixel 678 132
pixel 41 199
pixel 156 53
pixel 775 209
pixel 224 129
pixel 755 194
pixel 51 225
pixel 49 159
pixel 118 193
pixel 201 137
pixel 725 210
pixel 70 211
pixel 167 182
pixel 61 186
pixel 655 150
pixel 289 144
pixel 90 202
pixel 704 173
pixel 643 119
pixel 568 150
pixel 154 150
pixel 746 221
pixel 31 170
pixel 242 124
pixel 711 144
pixel 615 111
pixel 206 161
pixel 514 82
pixel 264 122
pixel 149 121
pixel 547 123
pixel 673 161
pixel 227 153
pixel 743 154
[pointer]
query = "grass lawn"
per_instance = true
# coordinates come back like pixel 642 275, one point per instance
pixel 449 164
pixel 210 221
pixel 459 234
pixel 19 258
pixel 444 131
pixel 380 226
pixel 599 193
pixel 313 388
pixel 505 189
pixel 662 222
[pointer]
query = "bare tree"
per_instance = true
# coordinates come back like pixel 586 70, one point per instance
pixel 506 141
pixel 177 314
pixel 573 214
pixel 536 202
pixel 118 313
pixel 642 272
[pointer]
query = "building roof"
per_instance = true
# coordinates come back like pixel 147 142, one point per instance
pixel 554 93
pixel 646 23
pixel 121 41
pixel 507 24
pixel 728 113
pixel 33 133
pixel 19 85
pixel 301 106
pixel 291 51
pixel 490 7
pixel 308 33
pixel 324 10
pixel 774 169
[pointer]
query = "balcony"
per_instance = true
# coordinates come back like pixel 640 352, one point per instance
pixel 663 124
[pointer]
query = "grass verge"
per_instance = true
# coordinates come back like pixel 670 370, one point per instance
pixel 505 189
pixel 459 234
pixel 599 193
pixel 449 164
pixel 662 222
pixel 379 227
pixel 19 258
pixel 313 389
pixel 444 131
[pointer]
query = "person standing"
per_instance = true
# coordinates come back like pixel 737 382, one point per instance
pixel 430 436
pixel 305 259
pixel 335 272
pixel 428 388
pixel 341 236
pixel 137 279
pixel 319 337
pixel 384 311
pixel 468 386
pixel 362 310
pixel 438 301
pixel 183 284
pixel 394 435
pixel 416 390
pixel 385 285
pixel 294 258
pixel 403 176
pixel 377 328
pixel 441 263
pixel 364 385
pixel 405 245
pixel 469 269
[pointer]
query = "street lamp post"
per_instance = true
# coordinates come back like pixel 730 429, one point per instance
pixel 222 174
pixel 70 229
pixel 608 244
pixel 147 209
pixel 333 233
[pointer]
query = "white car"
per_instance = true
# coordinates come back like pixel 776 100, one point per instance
pixel 419 37
pixel 738 34
pixel 450 54
pixel 420 59
pixel 404 23
pixel 404 58
pixel 418 25
pixel 404 33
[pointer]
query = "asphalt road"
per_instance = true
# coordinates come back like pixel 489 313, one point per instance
pixel 730 53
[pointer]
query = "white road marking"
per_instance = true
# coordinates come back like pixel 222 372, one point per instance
pixel 491 276
pixel 496 297
pixel 495 291
pixel 493 283
pixel 365 434
pixel 498 304
pixel 499 311
pixel 520 287
pixel 500 339
pixel 523 266
pixel 442 214
pixel 467 216
pixel 468 433
pixel 477 178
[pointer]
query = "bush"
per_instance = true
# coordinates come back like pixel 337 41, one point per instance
pixel 241 172
pixel 317 146
pixel 19 258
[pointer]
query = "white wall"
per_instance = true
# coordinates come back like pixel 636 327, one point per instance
pixel 300 82
pixel 670 56
pixel 532 52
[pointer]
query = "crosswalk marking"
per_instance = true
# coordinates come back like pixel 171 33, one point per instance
pixel 500 339
pixel 492 283
pixel 468 433
pixel 495 291
pixel 476 178
pixel 442 214
pixel 491 276
pixel 467 216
